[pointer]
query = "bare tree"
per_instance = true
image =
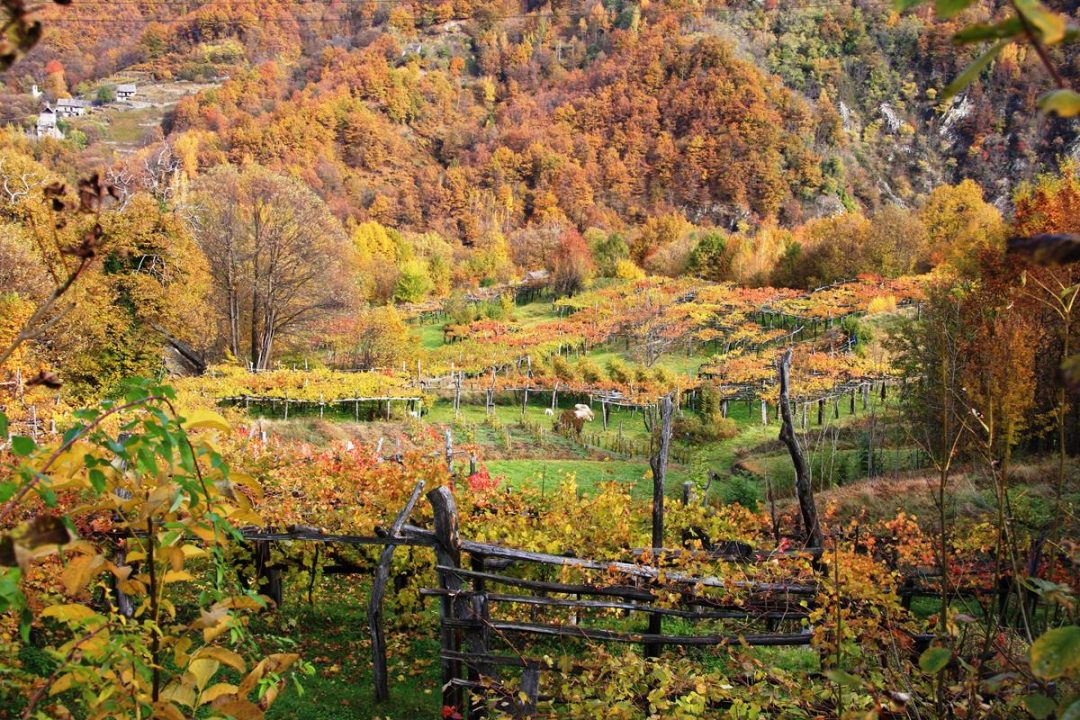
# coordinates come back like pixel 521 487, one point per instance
pixel 17 184
pixel 804 487
pixel 276 254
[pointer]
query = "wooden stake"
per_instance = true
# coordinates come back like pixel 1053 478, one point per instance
pixel 378 590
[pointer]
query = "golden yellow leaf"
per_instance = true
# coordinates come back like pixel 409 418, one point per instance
pixel 180 651
pixel 164 710
pixel 62 683
pixel 213 623
pixel 247 481
pixel 122 572
pixel 80 571
pixel 202 669
pixel 168 607
pixel 239 709
pixel 206 419
pixel 192 551
pixel 226 657
pixel 131 587
pixel 203 532
pixel 161 495
pixel 71 612
pixel 174 576
pixel 180 693
pixel 220 690
pixel 279 662
pixel 252 678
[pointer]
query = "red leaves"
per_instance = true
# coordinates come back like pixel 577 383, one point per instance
pixel 482 482
pixel 450 712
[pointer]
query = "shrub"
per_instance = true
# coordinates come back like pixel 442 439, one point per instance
pixel 561 368
pixel 589 371
pixel 569 424
pixel 742 490
pixel 618 371
pixel 886 304
pixel 691 428
pixel 627 270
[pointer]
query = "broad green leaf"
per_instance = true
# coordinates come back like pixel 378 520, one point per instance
pixel 1065 103
pixel 934 660
pixel 972 71
pixel 1050 25
pixel 22 446
pixel 97 480
pixel 1072 712
pixel 951 8
pixel 980 32
pixel 844 678
pixel 1056 653
pixel 1039 706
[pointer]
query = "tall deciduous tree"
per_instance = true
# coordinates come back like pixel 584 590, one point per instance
pixel 276 253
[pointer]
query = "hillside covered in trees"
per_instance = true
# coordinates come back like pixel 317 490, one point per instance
pixel 463 143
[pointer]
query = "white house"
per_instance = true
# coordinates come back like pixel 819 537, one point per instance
pixel 125 92
pixel 46 124
pixel 71 107
pixel 35 92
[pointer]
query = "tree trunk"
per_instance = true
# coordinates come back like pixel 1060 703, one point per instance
pixel 804 488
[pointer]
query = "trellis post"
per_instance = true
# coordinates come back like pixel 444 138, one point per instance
pixel 449 451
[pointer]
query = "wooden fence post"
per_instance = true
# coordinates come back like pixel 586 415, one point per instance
pixel 447 554
pixel 659 464
pixel 378 589
pixel 530 687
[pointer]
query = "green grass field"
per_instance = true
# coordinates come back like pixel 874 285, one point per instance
pixel 540 473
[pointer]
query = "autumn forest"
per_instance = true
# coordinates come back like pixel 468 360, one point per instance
pixel 627 359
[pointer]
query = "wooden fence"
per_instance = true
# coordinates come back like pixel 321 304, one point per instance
pixel 475 648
